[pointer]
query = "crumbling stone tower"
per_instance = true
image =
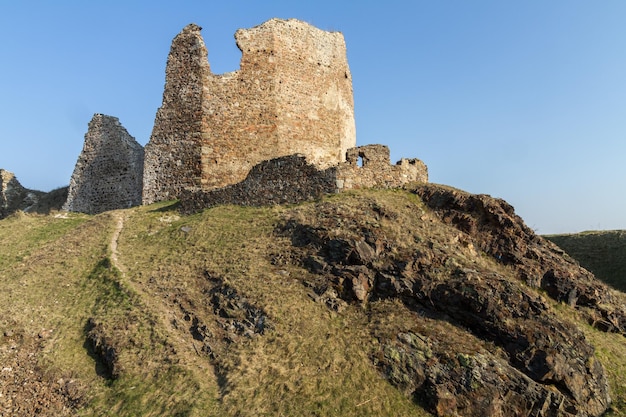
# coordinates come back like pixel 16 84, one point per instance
pixel 292 94
pixel 109 172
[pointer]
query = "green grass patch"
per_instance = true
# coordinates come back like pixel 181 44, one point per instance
pixel 603 253
pixel 21 234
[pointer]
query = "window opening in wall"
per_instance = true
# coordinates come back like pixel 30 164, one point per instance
pixel 359 161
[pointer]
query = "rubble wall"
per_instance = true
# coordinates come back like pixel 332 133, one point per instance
pixel 292 94
pixel 292 179
pixel 173 154
pixel 109 171
pixel 370 166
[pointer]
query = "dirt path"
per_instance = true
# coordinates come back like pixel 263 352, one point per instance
pixel 119 226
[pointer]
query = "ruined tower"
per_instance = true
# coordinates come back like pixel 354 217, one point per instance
pixel 292 94
pixel 109 171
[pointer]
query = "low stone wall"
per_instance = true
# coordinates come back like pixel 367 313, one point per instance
pixel 291 179
pixel 285 180
pixel 375 169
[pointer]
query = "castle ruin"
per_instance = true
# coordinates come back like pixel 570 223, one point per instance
pixel 109 172
pixel 278 130
pixel 292 94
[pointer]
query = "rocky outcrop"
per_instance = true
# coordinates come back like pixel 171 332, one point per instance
pixel 109 171
pixel 496 230
pixel 14 197
pixel 524 358
pixel 25 388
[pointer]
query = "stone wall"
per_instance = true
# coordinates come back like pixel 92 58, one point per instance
pixel 292 179
pixel 284 180
pixel 109 171
pixel 173 154
pixel 13 196
pixel 292 94
pixel 370 166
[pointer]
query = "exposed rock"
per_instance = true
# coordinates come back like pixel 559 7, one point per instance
pixel 475 384
pixel 496 230
pixel 103 349
pixel 25 389
pixel 545 368
pixel 235 318
pixel 14 197
pixel 109 172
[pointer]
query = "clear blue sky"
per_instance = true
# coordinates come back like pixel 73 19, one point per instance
pixel 522 100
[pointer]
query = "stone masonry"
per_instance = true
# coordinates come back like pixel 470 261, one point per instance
pixel 109 172
pixel 291 179
pixel 375 169
pixel 291 95
pixel 14 197
pixel 278 130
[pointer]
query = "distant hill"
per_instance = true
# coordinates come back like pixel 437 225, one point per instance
pixel 601 252
pixel 416 302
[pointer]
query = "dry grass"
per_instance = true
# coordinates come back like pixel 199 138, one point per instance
pixel 312 362
pixel 58 273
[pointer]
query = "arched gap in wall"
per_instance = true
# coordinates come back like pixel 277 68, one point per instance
pixel 359 161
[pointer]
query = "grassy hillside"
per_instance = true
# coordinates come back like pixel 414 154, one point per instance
pixel 602 252
pixel 146 312
pixel 61 277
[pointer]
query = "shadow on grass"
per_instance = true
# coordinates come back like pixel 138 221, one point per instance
pixel 103 369
pixel 168 207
